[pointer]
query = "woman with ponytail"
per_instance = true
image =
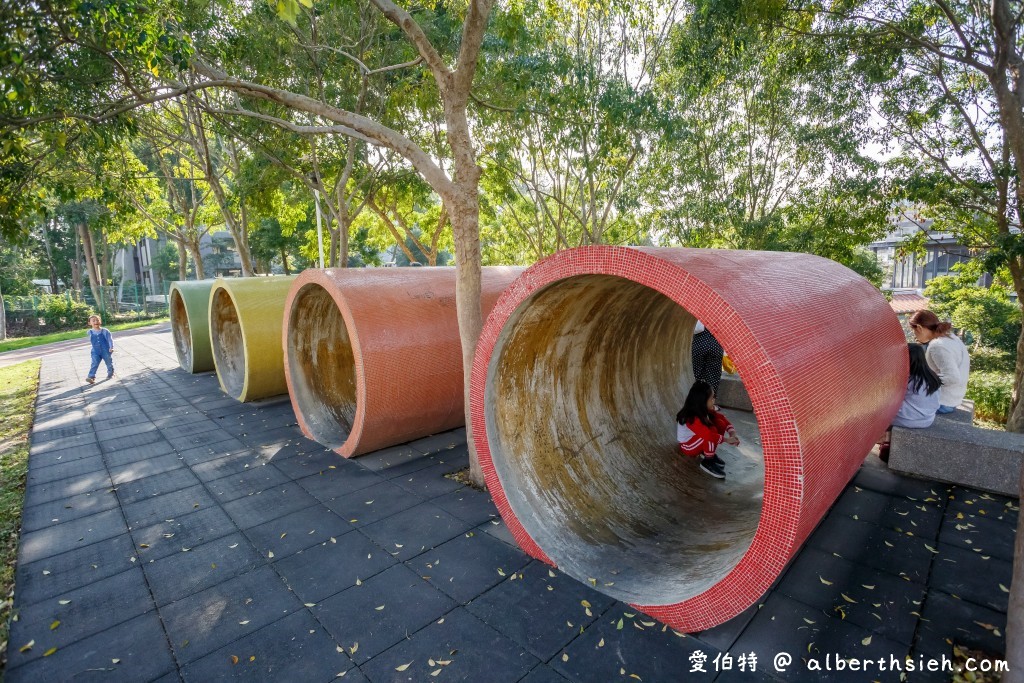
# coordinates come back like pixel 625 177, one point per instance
pixel 946 355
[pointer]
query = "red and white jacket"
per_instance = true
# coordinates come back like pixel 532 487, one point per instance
pixel 696 438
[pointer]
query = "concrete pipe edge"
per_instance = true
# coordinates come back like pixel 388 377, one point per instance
pixel 246 316
pixel 819 350
pixel 189 303
pixel 373 357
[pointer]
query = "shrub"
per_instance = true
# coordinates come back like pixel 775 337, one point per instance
pixel 63 313
pixel 991 393
pixel 989 359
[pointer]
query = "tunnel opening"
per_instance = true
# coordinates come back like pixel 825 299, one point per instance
pixel 227 342
pixel 582 390
pixel 181 331
pixel 321 365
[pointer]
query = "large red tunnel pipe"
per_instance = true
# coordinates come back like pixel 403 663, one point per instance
pixel 373 357
pixel 581 368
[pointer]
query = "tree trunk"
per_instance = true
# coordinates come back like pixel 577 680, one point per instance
pixel 465 217
pixel 76 268
pixel 182 261
pixel 49 258
pixel 193 249
pixel 284 260
pixel 3 317
pixel 91 267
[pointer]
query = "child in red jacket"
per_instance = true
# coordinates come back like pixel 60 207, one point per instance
pixel 700 427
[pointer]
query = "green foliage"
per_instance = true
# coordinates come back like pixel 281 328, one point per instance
pixel 992 393
pixel 18 266
pixel 61 312
pixel 988 359
pixel 165 263
pixel 987 313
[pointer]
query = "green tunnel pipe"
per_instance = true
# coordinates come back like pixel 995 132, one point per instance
pixel 190 324
pixel 246 315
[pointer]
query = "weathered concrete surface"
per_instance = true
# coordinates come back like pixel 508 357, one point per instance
pixel 956 452
pixel 373 358
pixel 246 316
pixel 581 368
pixel 732 393
pixel 190 324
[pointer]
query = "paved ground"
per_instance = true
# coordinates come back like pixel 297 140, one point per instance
pixel 171 533
pixel 61 348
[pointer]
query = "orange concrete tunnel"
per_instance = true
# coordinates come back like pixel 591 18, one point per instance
pixel 577 378
pixel 373 358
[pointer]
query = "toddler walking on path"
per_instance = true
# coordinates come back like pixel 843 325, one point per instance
pixel 102 346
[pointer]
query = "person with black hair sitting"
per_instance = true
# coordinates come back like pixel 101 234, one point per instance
pixel 701 427
pixel 921 400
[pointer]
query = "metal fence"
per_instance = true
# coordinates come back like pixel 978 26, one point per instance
pixel 118 301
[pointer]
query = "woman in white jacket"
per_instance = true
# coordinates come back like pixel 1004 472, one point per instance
pixel 947 357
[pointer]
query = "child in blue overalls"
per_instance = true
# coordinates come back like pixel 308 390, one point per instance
pixel 102 346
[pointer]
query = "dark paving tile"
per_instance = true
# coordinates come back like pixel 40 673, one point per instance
pixel 168 506
pixel 295 648
pixel 496 529
pixel 267 505
pixel 146 468
pixel 871 599
pixel 389 457
pixel 986 505
pixel 38 474
pixel 88 610
pixel 381 611
pixel 61 511
pixel 224 441
pixel 206 453
pixel 786 625
pixel 156 485
pixel 979 534
pixel 71 535
pixel 66 488
pixel 544 674
pixel 430 482
pixel 250 482
pixel 43 435
pixel 205 622
pixel 182 574
pixel 279 433
pixel 170 536
pixel 540 608
pixel 129 456
pixel 890 483
pixel 337 480
pixel 469 649
pixel 624 640
pixel 67 455
pixel 874 546
pixel 759 674
pixel 475 507
pixel 893 512
pixel 332 566
pixel 284 450
pixel 469 564
pixel 125 420
pixel 63 443
pixel 139 648
pixel 108 432
pixel 303 464
pixel 977 578
pixel 133 441
pixel 945 619
pixel 234 463
pixel 444 441
pixel 300 530
pixel 413 531
pixel 68 571
pixel 372 503
pixel 190 427
pixel 723 636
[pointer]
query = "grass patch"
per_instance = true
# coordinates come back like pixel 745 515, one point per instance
pixel 18 386
pixel 26 342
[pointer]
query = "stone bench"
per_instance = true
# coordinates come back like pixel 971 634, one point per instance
pixel 732 393
pixel 954 451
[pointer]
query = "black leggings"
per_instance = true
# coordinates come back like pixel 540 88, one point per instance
pixel 707 359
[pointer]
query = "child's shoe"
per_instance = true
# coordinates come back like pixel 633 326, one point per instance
pixel 708 466
pixel 110 376
pixel 90 380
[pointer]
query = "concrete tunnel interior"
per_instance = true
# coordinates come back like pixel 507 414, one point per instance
pixel 181 331
pixel 583 387
pixel 322 365
pixel 227 342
